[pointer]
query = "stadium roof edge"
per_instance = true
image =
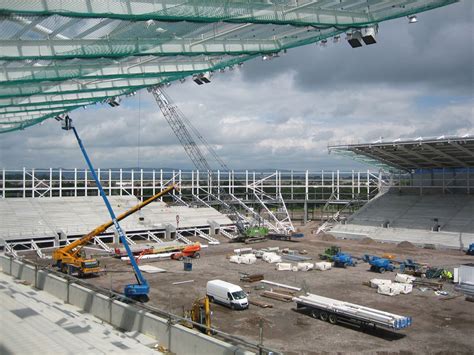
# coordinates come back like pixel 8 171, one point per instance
pixel 412 154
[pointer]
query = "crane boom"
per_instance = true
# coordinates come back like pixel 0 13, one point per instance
pixel 73 248
pixel 179 124
pixel 139 290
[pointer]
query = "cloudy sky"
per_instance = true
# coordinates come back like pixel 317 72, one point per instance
pixel 416 81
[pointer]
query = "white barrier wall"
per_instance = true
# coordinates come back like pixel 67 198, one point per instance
pixel 175 337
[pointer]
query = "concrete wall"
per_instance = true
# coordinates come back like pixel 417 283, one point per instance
pixel 175 337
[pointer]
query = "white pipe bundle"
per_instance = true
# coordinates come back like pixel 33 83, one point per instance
pixel 375 283
pixel 404 279
pixel 243 259
pixel 248 259
pixel 283 266
pixel 305 266
pixel 323 265
pixel 271 258
pixel 150 256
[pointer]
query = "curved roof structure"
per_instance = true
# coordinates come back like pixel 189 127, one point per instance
pixel 413 154
pixel 59 55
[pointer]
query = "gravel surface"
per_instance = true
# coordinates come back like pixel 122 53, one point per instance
pixel 439 326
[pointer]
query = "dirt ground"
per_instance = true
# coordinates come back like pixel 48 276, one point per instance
pixel 439 325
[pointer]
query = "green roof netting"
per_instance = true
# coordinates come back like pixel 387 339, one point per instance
pixel 59 55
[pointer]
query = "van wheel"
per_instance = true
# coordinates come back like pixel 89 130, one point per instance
pixel 323 316
pixel 382 270
pixel 232 306
pixel 332 318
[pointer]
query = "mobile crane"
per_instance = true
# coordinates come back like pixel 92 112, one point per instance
pixel 71 259
pixel 140 290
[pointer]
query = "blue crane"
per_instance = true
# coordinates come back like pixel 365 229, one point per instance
pixel 140 290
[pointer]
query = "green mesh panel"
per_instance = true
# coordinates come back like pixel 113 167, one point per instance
pixel 65 54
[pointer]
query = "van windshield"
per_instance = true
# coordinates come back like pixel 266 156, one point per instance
pixel 239 295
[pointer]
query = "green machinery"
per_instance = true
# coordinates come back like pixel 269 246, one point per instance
pixel 330 253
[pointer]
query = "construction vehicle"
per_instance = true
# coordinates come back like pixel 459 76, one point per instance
pixel 330 252
pixel 184 131
pixel 470 251
pixel 378 264
pixel 410 266
pixel 200 313
pixel 335 311
pixel 253 234
pixel 71 259
pixel 138 291
pixel 189 251
pixel 343 260
pixel 162 248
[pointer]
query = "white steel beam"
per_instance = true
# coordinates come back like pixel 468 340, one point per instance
pixel 45 107
pixel 49 99
pixel 116 48
pixel 72 90
pixel 258 12
pixel 142 66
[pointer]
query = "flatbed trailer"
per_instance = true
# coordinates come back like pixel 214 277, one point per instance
pixel 334 311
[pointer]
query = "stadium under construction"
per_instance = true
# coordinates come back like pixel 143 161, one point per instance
pixel 99 260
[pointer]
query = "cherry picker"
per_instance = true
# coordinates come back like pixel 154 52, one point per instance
pixel 138 291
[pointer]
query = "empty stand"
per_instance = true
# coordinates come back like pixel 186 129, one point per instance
pixel 443 219
pixel 41 217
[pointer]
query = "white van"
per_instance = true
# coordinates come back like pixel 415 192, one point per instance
pixel 227 294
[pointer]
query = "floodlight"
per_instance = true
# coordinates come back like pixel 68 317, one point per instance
pixel 370 34
pixel 197 80
pixel 149 23
pixel 114 101
pixel 206 77
pixel 168 84
pixel 412 19
pixel 336 39
pixel 222 70
pixel 266 57
pixel 323 43
pixel 240 65
pixel 182 80
pixel 60 117
pixel 355 39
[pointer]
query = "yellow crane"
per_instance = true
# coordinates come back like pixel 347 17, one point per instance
pixel 71 258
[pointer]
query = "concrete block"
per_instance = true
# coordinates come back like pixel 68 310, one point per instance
pixel 170 231
pixel 213 227
pixel 23 272
pixel 89 301
pixel 5 264
pixel 55 285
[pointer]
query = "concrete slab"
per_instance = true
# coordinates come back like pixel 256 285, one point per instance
pixel 150 269
pixel 44 217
